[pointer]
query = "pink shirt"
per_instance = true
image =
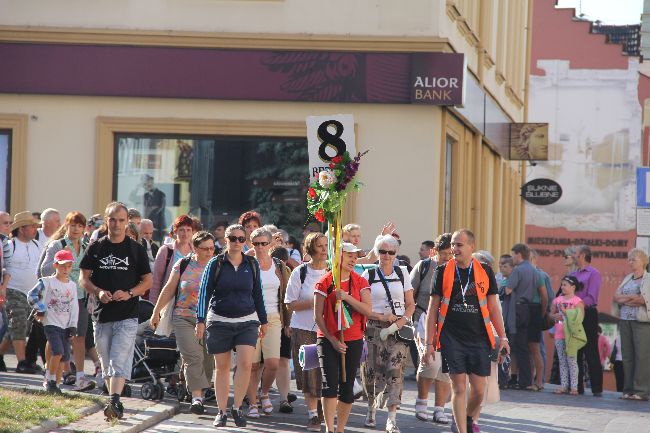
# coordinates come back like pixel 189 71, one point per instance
pixel 568 304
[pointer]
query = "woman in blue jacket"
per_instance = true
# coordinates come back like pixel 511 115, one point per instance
pixel 232 315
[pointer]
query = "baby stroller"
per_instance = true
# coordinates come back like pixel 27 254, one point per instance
pixel 154 358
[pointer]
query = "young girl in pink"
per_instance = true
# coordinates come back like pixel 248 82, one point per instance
pixel 568 364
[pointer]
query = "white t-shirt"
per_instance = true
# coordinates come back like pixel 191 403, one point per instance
pixel 380 300
pixel 62 308
pixel 294 254
pixel 422 326
pixel 42 239
pixel 303 292
pixel 22 264
pixel 270 287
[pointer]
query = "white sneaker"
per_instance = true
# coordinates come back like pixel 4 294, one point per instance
pixel 391 427
pixel 84 384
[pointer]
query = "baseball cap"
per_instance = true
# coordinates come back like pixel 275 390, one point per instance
pixel 348 247
pixel 63 256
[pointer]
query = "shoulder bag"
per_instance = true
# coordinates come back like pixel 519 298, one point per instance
pixel 406 334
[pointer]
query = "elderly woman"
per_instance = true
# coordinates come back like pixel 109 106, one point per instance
pixel 275 275
pixel 631 302
pixel 70 237
pixel 300 301
pixel 168 254
pixel 332 349
pixel 231 307
pixel 183 287
pixel 392 302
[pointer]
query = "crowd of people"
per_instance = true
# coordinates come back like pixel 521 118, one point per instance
pixel 249 292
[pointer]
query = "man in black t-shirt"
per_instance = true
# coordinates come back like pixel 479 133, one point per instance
pixel 462 317
pixel 116 270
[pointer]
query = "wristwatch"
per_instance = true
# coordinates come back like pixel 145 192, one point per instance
pixel 130 293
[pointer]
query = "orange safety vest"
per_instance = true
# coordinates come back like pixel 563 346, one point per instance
pixel 482 285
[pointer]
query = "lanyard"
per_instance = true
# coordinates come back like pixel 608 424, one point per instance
pixel 463 290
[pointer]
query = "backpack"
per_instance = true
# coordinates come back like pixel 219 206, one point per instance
pixel 424 268
pixel 185 261
pixel 372 274
pixel 82 241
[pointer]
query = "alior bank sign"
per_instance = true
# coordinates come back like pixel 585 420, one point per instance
pixel 438 78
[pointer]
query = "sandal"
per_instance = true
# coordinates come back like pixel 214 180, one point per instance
pixel 439 417
pixel 560 391
pixel 533 388
pixel 637 397
pixel 267 406
pixel 573 392
pixel 253 412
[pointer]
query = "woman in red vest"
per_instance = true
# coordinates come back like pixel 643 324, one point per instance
pixel 355 294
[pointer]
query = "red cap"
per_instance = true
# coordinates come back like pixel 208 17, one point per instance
pixel 63 256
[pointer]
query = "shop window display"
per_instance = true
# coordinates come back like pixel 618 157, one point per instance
pixel 213 178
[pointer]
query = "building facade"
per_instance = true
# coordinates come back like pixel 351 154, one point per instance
pixel 200 107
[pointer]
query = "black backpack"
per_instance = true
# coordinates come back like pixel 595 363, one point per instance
pixel 372 275
pixel 219 263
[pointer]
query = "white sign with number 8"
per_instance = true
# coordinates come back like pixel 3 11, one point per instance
pixel 328 137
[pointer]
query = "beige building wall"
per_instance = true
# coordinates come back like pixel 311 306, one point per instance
pixel 404 155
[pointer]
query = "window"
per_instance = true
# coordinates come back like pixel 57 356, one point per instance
pixel 212 178
pixel 5 169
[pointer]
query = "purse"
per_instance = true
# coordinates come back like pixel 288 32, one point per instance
pixel 165 327
pixel 406 334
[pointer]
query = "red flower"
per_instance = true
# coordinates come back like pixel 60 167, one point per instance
pixel 312 193
pixel 320 215
pixel 332 165
pixel 337 159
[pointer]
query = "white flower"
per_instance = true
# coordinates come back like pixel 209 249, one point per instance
pixel 326 178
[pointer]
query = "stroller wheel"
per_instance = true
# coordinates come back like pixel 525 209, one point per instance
pixel 149 391
pixel 161 391
pixel 127 391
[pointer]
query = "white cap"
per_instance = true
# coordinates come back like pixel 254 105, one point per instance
pixel 348 247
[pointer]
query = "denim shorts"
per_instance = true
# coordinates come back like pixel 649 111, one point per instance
pixel 115 344
pixel 59 345
pixel 223 337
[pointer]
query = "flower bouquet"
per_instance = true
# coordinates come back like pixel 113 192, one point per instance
pixel 326 196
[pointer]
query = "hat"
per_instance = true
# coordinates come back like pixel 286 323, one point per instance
pixel 571 280
pixel 348 247
pixel 63 256
pixel 23 219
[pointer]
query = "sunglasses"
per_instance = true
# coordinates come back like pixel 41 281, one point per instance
pixel 205 248
pixel 390 253
pixel 240 239
pixel 260 244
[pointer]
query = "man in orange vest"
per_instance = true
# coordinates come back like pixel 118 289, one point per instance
pixel 463 311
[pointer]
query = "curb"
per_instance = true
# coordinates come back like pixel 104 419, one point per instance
pixel 50 424
pixel 143 421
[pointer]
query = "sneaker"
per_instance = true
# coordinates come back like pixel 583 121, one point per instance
pixel 84 385
pixel 52 388
pixel 24 368
pixel 291 397
pixel 69 378
pixel 313 424
pixel 197 407
pixel 120 410
pixel 209 395
pixel 110 411
pixel 238 417
pixel 391 427
pixel 370 421
pixel 45 385
pixel 220 419
pixel 285 407
pixel 37 368
pixel 3 366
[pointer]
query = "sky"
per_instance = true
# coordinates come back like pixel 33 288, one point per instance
pixel 607 11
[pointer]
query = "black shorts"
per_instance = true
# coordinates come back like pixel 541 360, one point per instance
pixel 222 337
pixel 465 358
pixel 534 323
pixel 285 346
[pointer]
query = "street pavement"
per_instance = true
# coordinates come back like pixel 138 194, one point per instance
pixel 518 411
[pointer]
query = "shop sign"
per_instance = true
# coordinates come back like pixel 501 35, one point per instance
pixel 529 141
pixel 328 137
pixel 541 191
pixel 438 78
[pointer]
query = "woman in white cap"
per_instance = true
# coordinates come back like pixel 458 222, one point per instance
pixel 355 296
